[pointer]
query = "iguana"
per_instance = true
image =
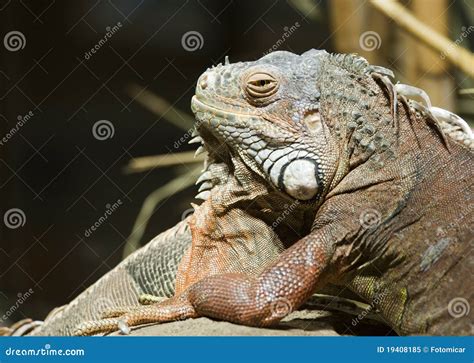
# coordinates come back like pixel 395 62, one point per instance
pixel 320 171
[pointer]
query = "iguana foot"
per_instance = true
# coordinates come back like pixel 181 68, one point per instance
pixel 124 318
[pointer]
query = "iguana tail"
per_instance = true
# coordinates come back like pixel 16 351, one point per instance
pixel 149 271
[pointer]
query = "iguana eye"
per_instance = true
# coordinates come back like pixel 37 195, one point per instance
pixel 261 85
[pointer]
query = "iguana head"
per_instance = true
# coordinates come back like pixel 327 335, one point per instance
pixel 303 122
pixel 267 113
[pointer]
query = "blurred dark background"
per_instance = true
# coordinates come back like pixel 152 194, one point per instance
pixel 58 178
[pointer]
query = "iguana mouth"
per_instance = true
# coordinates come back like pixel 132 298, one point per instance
pixel 219 165
pixel 200 106
pixel 209 120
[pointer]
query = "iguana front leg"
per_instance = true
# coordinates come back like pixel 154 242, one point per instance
pixel 264 300
pixel 236 297
pixel 223 240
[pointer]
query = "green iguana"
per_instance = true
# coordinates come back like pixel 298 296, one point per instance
pixel 319 171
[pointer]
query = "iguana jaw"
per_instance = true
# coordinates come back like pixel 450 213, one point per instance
pixel 280 160
pixel 229 184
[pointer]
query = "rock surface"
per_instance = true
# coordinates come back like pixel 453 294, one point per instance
pixel 299 323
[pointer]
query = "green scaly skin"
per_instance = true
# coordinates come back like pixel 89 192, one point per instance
pixel 388 197
pixel 394 195
pixel 389 194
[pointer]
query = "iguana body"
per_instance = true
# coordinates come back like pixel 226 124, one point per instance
pixel 380 199
pixel 387 196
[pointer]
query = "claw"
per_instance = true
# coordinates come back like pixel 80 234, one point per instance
pixel 123 327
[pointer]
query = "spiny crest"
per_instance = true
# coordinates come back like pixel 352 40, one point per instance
pixel 449 123
pixel 352 63
pixel 359 65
